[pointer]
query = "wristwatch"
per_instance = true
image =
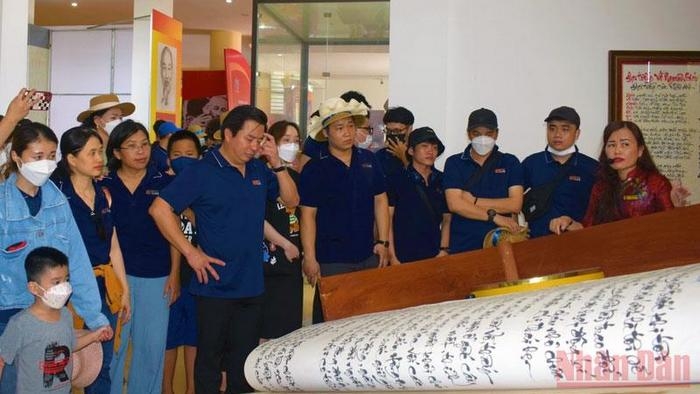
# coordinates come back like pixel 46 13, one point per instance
pixel 492 214
pixel 279 169
pixel 380 242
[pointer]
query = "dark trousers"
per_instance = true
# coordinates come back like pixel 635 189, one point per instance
pixel 228 330
pixel 335 269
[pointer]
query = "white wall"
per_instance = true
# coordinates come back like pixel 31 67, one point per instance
pixel 522 58
pixel 76 79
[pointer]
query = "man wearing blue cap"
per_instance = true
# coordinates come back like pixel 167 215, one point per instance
pixel 483 186
pixel 420 221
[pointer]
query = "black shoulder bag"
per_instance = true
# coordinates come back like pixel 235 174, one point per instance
pixel 538 200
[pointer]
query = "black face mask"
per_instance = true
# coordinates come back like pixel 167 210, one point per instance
pixel 396 138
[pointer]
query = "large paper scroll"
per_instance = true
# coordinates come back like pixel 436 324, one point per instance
pixel 627 330
pixel 660 91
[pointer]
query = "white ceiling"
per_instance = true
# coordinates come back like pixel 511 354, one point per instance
pixel 194 14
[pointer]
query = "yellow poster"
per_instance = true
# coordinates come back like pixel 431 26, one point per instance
pixel 166 68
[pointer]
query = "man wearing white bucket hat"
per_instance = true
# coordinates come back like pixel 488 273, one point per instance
pixel 342 195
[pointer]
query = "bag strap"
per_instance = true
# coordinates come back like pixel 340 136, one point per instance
pixel 424 198
pixel 488 165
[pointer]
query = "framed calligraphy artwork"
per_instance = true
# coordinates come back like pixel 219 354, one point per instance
pixel 660 92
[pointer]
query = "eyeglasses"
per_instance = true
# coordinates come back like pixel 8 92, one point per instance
pixel 136 147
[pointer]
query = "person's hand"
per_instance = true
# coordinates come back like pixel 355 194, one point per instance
pixel 268 150
pixel 312 270
pixel 172 288
pixel 507 222
pixel 104 333
pixel 202 119
pixel 383 253
pixel 398 149
pixel 20 105
pixel 560 224
pixel 125 312
pixel 203 265
pixel 291 252
pixel 679 194
pixel 393 260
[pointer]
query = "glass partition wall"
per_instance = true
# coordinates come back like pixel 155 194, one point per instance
pixel 306 51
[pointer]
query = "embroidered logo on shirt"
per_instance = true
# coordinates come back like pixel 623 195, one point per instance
pixel 575 178
pixel 256 182
pixel 500 171
pixel 152 192
pixel 366 165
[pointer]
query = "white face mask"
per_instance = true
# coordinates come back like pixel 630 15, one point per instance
pixel 288 152
pixel 37 172
pixel 366 143
pixel 564 152
pixel 483 144
pixel 109 126
pixel 56 296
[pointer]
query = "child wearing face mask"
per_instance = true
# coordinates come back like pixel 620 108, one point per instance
pixel 42 334
pixel 33 213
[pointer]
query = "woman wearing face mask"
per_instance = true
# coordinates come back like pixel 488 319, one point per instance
pixel 628 183
pixel 33 213
pixel 150 271
pixel 104 114
pixel 81 162
pixel 282 308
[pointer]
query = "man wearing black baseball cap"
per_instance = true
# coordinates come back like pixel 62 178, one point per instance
pixel 483 186
pixel 559 179
pixel 420 221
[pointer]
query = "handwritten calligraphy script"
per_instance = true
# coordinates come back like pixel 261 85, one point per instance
pixel 625 330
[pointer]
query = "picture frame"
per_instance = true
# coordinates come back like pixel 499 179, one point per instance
pixel 618 60
pixel 660 92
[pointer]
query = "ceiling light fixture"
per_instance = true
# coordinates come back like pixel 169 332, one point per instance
pixel 74 4
pixel 229 1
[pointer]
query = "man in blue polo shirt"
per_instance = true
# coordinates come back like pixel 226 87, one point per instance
pixel 342 195
pixel 564 170
pixel 420 221
pixel 483 186
pixel 398 123
pixel 316 148
pixel 227 191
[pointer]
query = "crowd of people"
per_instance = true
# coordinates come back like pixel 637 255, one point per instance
pixel 201 240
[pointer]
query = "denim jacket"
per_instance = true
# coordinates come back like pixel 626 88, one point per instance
pixel 53 226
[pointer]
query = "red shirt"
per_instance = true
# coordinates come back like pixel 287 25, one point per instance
pixel 642 193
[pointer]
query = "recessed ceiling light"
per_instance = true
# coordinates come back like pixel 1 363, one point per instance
pixel 74 4
pixel 229 1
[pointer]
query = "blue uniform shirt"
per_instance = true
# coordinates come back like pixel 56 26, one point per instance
pixel 315 149
pixel 96 227
pixel 416 226
pixel 146 253
pixel 468 234
pixel 344 199
pixel 159 158
pixel 230 210
pixel 390 163
pixel 571 195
